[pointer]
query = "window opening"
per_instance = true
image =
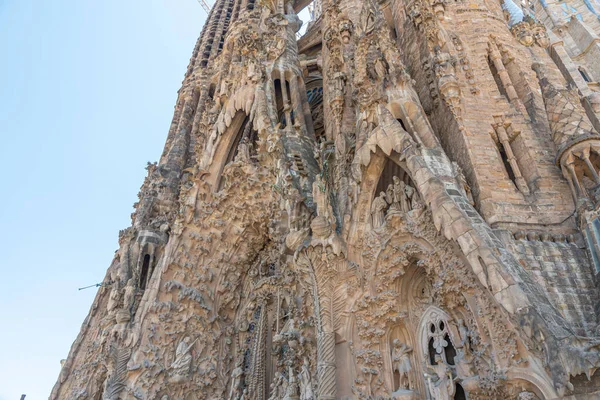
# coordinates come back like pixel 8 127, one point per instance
pixel 432 352
pixel 144 272
pixel 459 393
pixel 507 167
pixel 497 78
pixel 584 74
pixel 449 350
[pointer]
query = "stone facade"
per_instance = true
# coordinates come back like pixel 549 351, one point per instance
pixel 402 203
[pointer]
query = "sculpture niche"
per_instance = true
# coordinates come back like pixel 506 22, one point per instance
pixel 399 198
pixel 401 365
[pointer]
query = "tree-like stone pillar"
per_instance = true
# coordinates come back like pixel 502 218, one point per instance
pixel 326 365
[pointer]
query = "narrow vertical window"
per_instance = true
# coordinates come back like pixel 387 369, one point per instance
pixel 144 272
pixel 514 166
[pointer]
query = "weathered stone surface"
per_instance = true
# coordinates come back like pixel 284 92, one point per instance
pixel 402 204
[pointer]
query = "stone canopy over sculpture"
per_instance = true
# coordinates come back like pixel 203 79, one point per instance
pixel 402 203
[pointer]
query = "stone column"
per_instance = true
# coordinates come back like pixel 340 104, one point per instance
pixel 505 143
pixel 505 79
pixel 326 365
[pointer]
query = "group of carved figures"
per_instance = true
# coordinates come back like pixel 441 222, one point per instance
pixel 440 376
pixel 291 387
pixel 287 389
pixel 399 197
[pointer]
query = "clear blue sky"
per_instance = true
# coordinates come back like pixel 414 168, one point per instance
pixel 86 97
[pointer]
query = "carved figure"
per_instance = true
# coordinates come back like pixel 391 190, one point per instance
pixel 463 332
pixel 306 390
pixel 243 153
pixel 236 380
pixel 115 295
pixel 378 210
pixel 277 387
pixel 183 357
pixel 129 296
pixel 410 195
pixel 321 199
pixel 292 389
pixel 445 71
pixel 401 361
pixel 367 17
pixel 464 368
pixel 541 35
pixel 396 196
pixel 439 380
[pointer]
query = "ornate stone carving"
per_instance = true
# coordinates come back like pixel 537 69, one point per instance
pixel 339 253
pixel 401 362
pixel 529 32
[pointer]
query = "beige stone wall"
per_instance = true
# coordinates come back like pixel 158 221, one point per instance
pixel 385 209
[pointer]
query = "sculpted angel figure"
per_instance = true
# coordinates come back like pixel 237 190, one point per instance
pixel 401 362
pixel 183 357
pixel 378 210
pixel 439 380
pixel 306 390
pixel 236 380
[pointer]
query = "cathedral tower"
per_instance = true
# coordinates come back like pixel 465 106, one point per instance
pixel 401 202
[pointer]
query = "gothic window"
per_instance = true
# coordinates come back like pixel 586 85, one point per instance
pixel 439 342
pixel 144 276
pixel 510 81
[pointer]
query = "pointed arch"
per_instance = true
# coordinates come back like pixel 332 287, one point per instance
pixel 412 119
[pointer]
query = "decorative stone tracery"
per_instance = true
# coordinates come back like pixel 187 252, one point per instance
pixel 310 231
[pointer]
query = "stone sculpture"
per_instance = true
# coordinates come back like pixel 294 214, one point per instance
pixel 306 389
pixel 236 380
pixel 440 381
pixel 401 360
pixel 183 358
pixel 342 222
pixel 378 210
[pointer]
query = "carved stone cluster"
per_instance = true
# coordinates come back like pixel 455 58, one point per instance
pixel 392 206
